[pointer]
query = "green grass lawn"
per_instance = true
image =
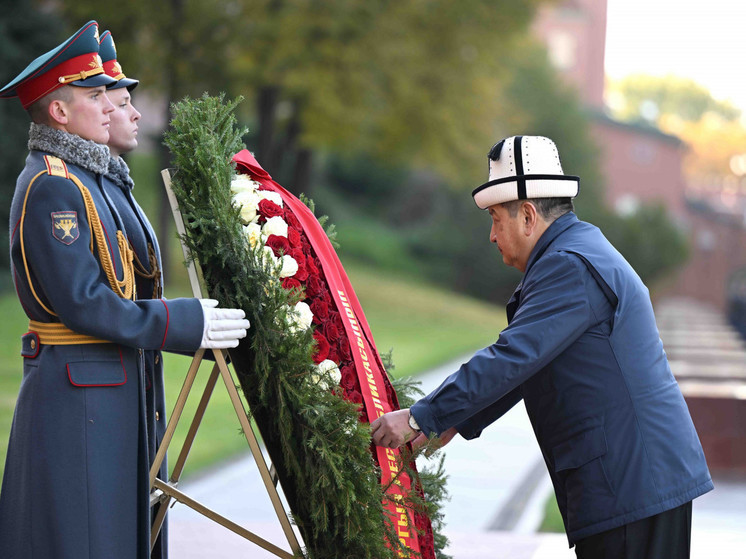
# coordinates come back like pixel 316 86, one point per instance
pixel 424 325
pixel 552 517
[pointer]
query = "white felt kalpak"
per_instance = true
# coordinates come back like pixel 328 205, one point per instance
pixel 522 167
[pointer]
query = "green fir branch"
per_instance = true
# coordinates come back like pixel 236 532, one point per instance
pixel 317 444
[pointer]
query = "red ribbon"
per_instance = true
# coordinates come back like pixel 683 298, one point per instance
pixel 370 370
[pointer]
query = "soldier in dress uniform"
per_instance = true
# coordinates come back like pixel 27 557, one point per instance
pixel 142 239
pixel 76 474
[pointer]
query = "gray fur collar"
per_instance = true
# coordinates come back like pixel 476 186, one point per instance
pixel 69 147
pixel 119 173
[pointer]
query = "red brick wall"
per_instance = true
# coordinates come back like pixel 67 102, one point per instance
pixel 577 28
pixel 721 426
pixel 640 164
pixel 718 249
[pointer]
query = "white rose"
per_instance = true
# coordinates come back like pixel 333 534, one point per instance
pixel 329 366
pixel 241 183
pixel 247 201
pixel 300 317
pixel 336 375
pixel 289 266
pixel 275 226
pixel 253 232
pixel 270 195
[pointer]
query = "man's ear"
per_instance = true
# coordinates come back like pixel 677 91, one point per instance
pixel 58 112
pixel 529 216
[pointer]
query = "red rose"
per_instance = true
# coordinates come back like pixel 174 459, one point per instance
pixel 345 352
pixel 322 347
pixel 291 283
pixel 278 244
pixel 319 267
pixel 326 296
pixel 319 309
pixel 337 318
pixel 314 286
pixel 293 237
pixel 268 208
pixel 300 258
pixel 301 274
pixel 333 354
pixel 354 396
pixel 330 331
pixel 311 267
pixel 349 378
pixel 291 219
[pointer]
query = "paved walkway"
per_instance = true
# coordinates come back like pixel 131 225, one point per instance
pixel 498 486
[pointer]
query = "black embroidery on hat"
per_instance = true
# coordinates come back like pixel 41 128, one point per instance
pixel 518 156
pixel 494 153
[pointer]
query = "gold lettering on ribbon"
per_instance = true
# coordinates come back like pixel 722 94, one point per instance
pixel 402 516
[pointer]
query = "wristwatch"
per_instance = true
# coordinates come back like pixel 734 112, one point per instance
pixel 413 423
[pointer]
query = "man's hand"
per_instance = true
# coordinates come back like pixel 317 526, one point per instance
pixel 392 429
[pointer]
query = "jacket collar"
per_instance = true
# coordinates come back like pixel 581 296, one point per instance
pixel 557 227
pixel 119 174
pixel 69 147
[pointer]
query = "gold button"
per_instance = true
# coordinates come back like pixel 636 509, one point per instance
pixel 157 416
pixel 32 343
pixel 157 359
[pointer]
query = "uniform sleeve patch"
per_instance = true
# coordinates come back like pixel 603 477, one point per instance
pixel 65 227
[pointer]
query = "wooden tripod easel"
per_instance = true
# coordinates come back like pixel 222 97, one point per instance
pixel 163 492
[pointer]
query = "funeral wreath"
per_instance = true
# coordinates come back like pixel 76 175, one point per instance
pixel 308 369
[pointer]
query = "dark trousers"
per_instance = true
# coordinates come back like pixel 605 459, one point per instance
pixel 664 536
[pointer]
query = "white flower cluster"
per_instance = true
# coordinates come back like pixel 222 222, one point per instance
pixel 246 197
pixel 326 373
pixel 300 317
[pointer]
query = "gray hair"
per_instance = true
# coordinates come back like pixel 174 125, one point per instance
pixel 548 208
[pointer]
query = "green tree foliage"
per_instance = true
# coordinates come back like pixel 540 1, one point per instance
pixel 409 80
pixel 648 239
pixel 442 230
pixel 641 97
pixel 25 33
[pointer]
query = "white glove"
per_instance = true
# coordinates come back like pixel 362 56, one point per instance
pixel 223 327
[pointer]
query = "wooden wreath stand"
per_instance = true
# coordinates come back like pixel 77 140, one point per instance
pixel 162 492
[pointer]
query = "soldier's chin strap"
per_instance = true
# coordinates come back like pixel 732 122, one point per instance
pixel 124 288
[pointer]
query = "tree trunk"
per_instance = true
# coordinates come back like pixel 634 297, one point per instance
pixel 302 171
pixel 172 42
pixel 266 103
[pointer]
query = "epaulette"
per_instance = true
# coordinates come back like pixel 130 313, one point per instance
pixel 56 167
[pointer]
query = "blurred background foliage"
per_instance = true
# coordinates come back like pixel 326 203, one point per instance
pixel 383 111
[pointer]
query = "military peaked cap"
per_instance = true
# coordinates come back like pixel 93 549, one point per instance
pixel 74 62
pixel 108 52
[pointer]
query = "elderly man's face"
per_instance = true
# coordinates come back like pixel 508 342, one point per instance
pixel 509 235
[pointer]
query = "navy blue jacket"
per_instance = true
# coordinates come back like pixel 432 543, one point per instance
pixel 583 351
pixel 76 474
